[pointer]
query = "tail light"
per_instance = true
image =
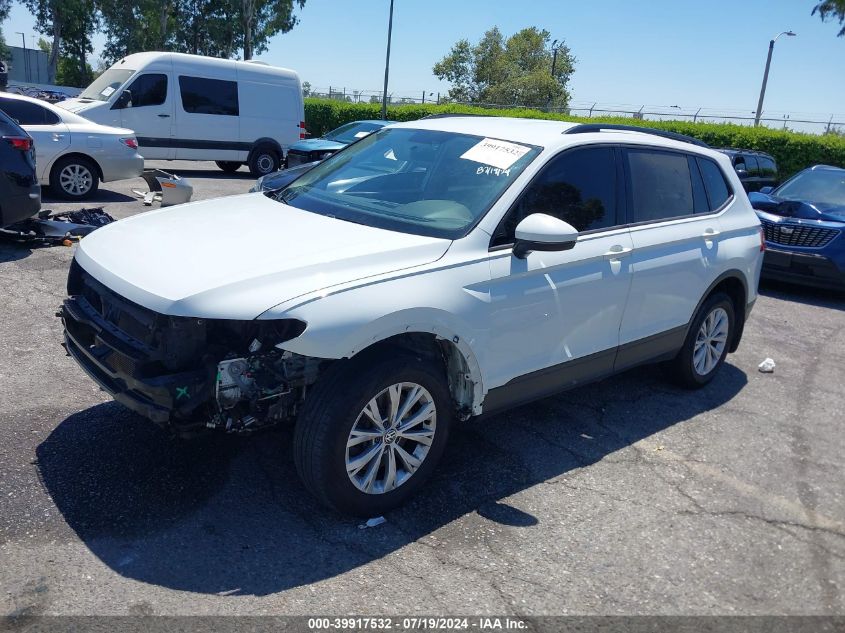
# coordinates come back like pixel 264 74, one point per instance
pixel 131 143
pixel 23 143
pixel 302 130
pixel 762 239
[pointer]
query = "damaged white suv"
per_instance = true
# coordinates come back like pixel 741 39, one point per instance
pixel 430 272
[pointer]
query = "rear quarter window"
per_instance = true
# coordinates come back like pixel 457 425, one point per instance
pixel 715 186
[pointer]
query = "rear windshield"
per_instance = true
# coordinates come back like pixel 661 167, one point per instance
pixel 106 84
pixel 424 182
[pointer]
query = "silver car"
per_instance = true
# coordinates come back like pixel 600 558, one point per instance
pixel 73 154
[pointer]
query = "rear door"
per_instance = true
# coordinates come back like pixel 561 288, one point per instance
pixel 149 113
pixel 675 232
pixel 49 133
pixel 207 125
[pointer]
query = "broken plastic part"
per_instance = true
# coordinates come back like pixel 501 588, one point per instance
pixel 767 366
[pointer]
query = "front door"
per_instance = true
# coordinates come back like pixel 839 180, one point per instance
pixel 148 111
pixel 555 316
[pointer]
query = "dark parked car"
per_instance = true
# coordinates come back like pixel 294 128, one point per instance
pixel 314 149
pixel 755 169
pixel 804 223
pixel 20 193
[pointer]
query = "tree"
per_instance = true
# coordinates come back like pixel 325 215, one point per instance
pixel 832 9
pixel 69 72
pixel 516 71
pixel 71 23
pixel 5 5
pixel 218 28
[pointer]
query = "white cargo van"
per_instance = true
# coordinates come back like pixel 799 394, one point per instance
pixel 189 107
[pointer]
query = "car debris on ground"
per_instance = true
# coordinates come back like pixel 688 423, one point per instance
pixel 165 188
pixel 48 229
pixel 767 366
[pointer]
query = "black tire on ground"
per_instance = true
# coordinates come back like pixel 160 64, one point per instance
pixel 264 160
pixel 229 166
pixel 74 178
pixel 332 408
pixel 682 369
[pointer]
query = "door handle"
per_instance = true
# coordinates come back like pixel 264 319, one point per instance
pixel 164 116
pixel 710 233
pixel 617 252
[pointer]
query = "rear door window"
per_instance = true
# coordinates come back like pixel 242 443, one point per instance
pixel 209 96
pixel 26 113
pixel 768 169
pixel 149 90
pixel 660 185
pixel 752 166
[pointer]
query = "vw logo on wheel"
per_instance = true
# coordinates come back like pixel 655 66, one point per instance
pixel 390 436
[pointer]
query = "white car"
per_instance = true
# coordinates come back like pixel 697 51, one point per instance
pixel 429 273
pixel 73 154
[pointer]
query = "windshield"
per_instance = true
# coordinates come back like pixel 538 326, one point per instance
pixel 416 181
pixel 106 84
pixel 825 186
pixel 353 131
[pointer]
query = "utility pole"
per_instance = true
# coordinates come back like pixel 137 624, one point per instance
pixel 25 56
pixel 387 64
pixel 766 76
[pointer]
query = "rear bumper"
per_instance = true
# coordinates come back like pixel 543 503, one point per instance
pixel 20 206
pixel 122 168
pixel 805 268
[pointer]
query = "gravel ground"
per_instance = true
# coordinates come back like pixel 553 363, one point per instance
pixel 628 496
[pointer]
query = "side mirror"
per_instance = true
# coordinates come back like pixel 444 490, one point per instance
pixel 541 232
pixel 124 100
pixel 767 190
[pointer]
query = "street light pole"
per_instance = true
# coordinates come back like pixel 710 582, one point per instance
pixel 387 65
pixel 766 76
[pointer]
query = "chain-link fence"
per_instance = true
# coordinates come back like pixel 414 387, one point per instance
pixel 813 123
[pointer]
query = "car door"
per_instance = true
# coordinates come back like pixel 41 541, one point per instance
pixel 49 134
pixel 555 316
pixel 146 108
pixel 676 243
pixel 207 121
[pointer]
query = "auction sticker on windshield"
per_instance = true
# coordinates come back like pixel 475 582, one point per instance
pixel 501 154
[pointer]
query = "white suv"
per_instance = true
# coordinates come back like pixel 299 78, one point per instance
pixel 430 272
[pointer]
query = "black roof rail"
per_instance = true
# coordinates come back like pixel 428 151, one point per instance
pixel 584 128
pixel 446 115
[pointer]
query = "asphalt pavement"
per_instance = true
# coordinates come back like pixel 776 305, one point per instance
pixel 628 496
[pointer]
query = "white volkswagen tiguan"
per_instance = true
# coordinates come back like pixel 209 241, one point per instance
pixel 430 272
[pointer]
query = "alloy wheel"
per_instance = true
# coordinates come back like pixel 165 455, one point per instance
pixel 710 342
pixel 391 438
pixel 76 179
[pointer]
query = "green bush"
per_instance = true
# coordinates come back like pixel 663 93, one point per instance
pixel 793 151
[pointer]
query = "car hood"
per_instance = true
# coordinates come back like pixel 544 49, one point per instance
pixel 801 209
pixel 236 257
pixel 316 145
pixel 75 105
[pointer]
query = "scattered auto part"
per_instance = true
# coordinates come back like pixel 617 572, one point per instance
pixel 166 189
pixel 59 228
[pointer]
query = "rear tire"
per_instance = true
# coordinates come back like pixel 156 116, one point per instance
pixel 229 166
pixel 706 345
pixel 263 160
pixel 74 178
pixel 336 432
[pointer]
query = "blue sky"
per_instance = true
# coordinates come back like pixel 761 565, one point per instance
pixel 655 53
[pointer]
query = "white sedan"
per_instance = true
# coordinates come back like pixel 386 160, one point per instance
pixel 73 154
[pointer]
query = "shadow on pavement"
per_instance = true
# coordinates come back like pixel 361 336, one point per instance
pixel 11 251
pixel 213 174
pixel 819 297
pixel 228 515
pixel 102 196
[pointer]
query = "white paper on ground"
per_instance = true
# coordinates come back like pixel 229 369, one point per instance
pixel 501 154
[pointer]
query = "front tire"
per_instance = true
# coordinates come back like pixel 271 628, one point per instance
pixel 74 178
pixel 263 160
pixel 372 431
pixel 706 345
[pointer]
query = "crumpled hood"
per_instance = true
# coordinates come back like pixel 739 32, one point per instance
pixel 236 257
pixel 801 209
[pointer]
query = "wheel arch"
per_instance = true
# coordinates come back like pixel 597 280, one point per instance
pixel 266 141
pixel 734 284
pixel 49 170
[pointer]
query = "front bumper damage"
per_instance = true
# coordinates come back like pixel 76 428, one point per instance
pixel 185 373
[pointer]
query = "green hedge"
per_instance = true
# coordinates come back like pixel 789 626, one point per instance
pixel 792 150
